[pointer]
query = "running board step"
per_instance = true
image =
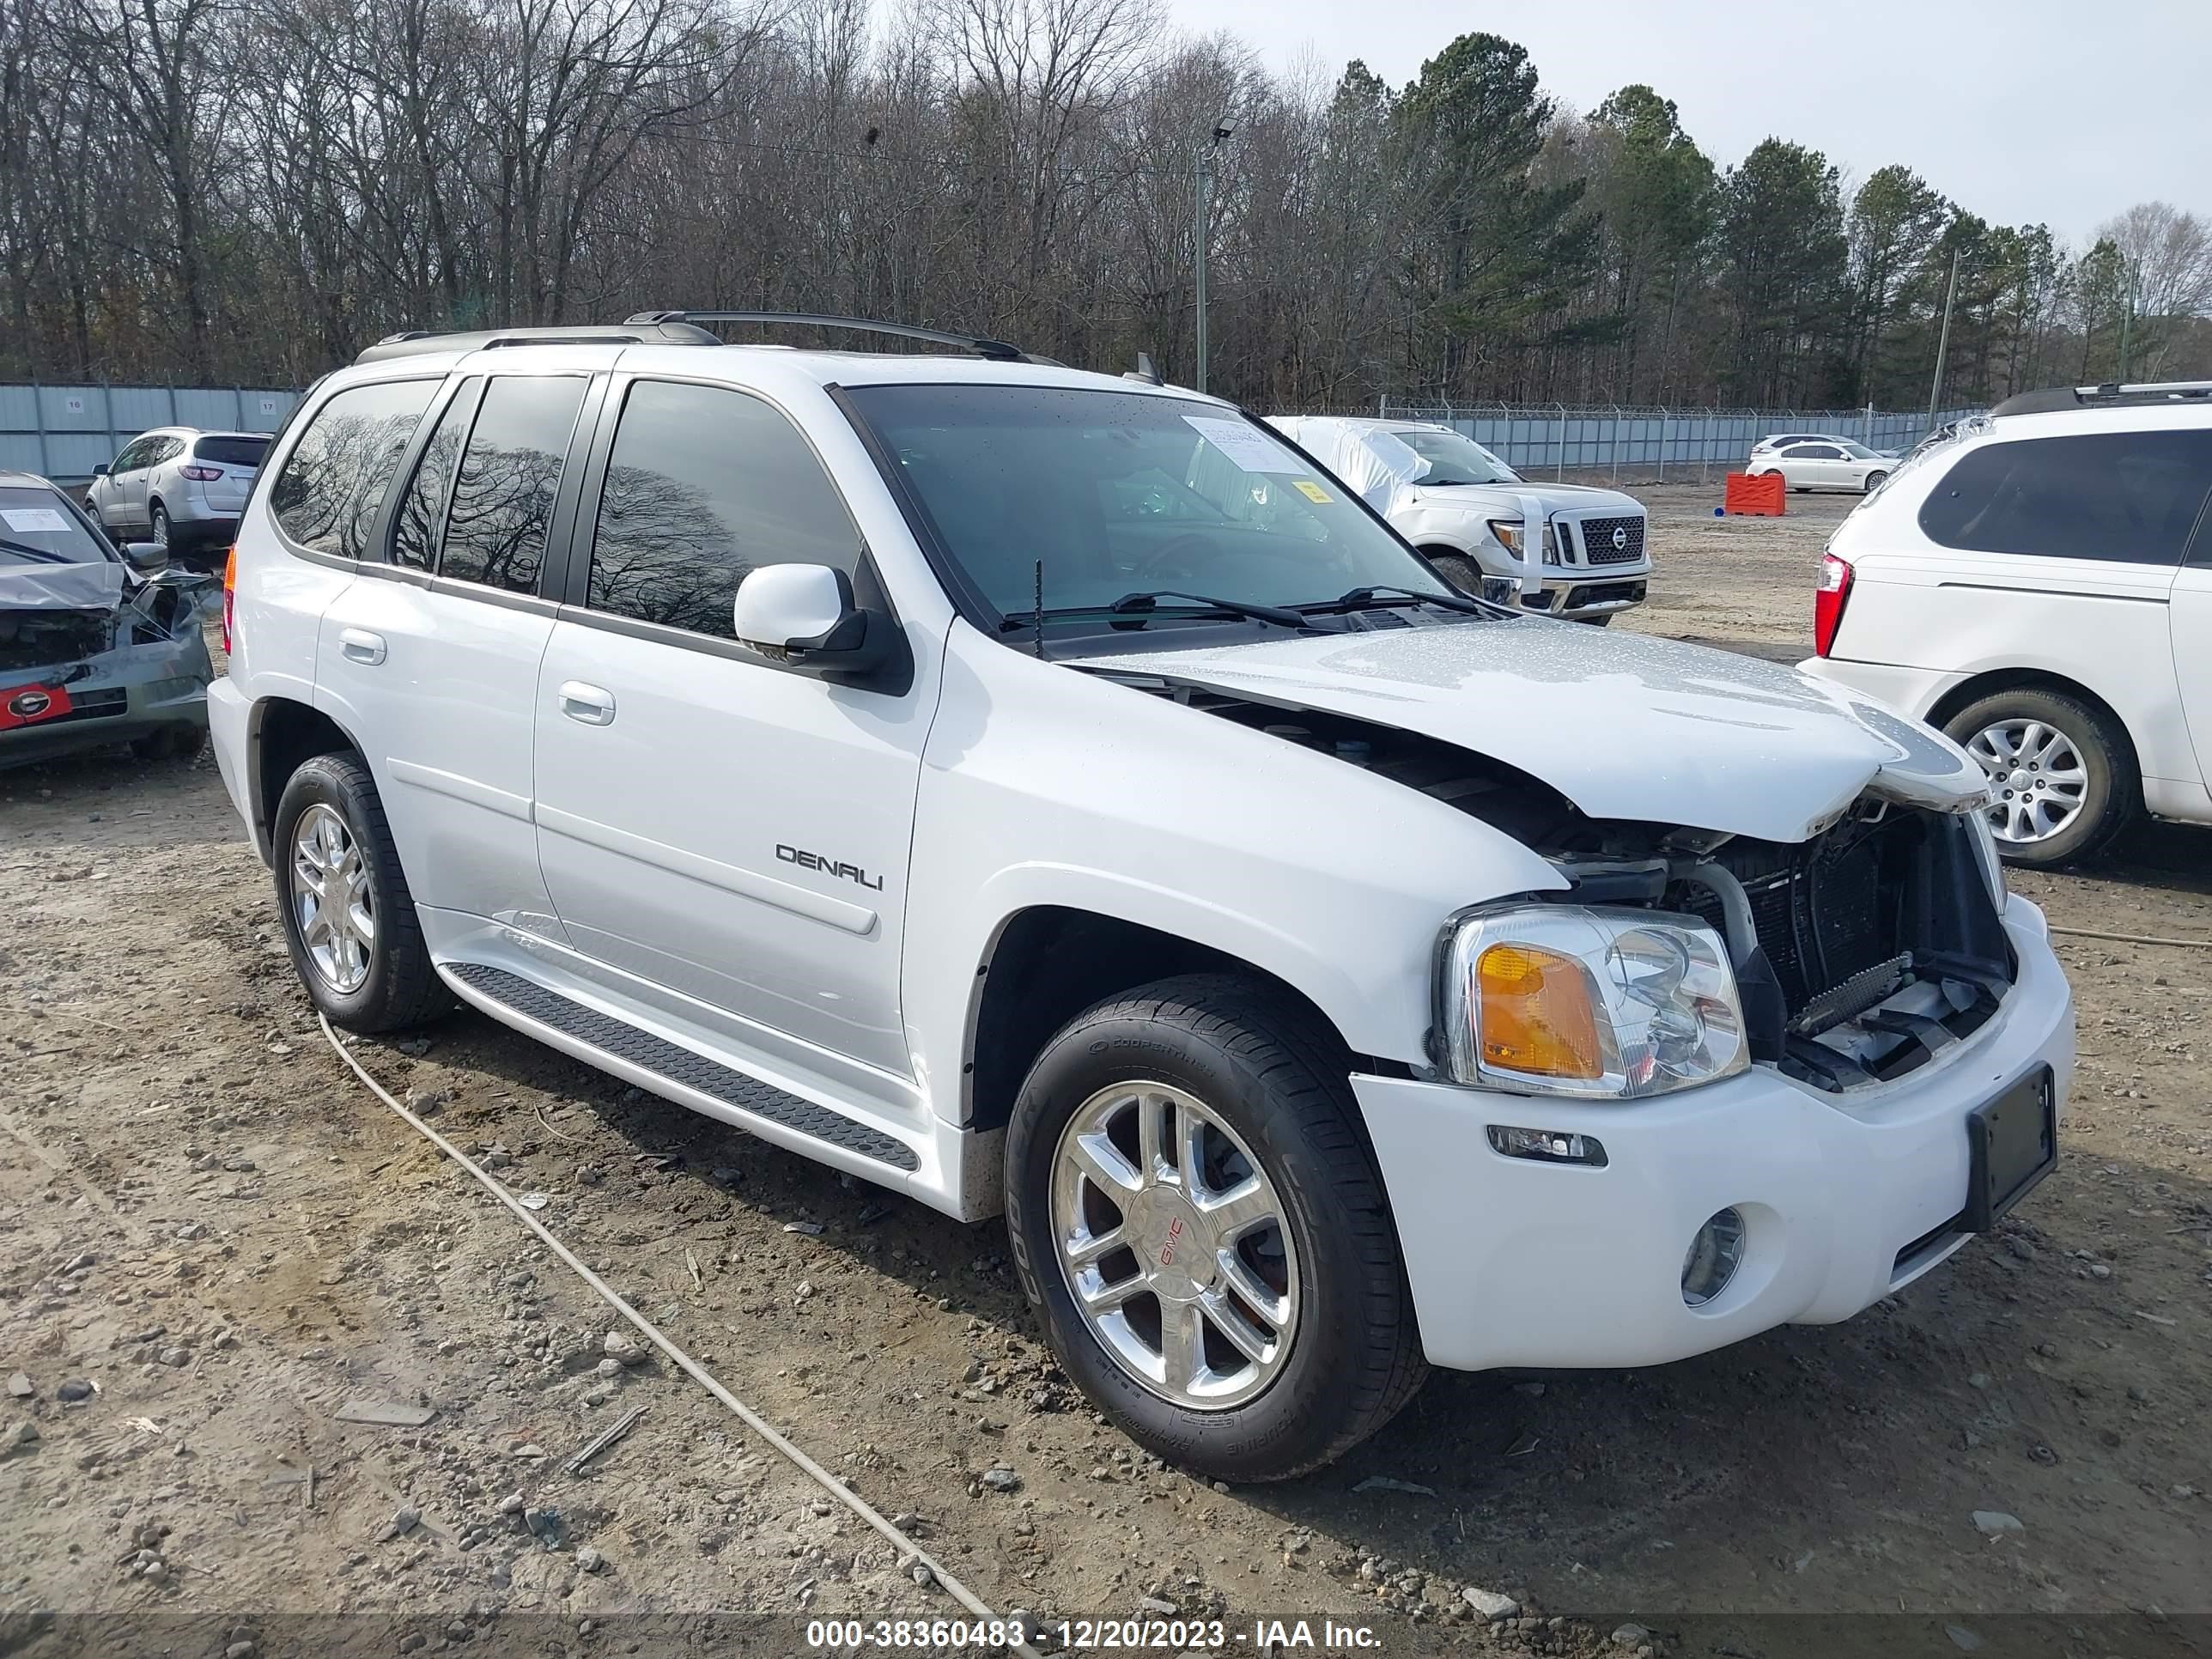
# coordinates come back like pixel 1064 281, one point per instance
pixel 694 1070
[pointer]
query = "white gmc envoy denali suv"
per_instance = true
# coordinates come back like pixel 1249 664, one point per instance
pixel 1043 793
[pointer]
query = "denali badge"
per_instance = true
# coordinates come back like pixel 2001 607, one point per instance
pixel 829 866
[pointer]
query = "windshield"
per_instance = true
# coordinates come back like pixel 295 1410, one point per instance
pixel 1859 451
pixel 1123 492
pixel 37 527
pixel 1453 459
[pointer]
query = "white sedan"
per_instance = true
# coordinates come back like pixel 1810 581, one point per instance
pixel 1827 464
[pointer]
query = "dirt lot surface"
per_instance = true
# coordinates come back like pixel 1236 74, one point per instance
pixel 212 1238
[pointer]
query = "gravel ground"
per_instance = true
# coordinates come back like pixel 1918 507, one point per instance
pixel 212 1238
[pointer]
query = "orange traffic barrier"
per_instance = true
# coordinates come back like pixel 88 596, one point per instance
pixel 1765 496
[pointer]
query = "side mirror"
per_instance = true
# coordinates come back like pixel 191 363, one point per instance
pixel 100 469
pixel 804 614
pixel 146 558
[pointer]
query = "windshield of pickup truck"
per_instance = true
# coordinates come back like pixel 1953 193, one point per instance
pixel 1121 493
pixel 1453 459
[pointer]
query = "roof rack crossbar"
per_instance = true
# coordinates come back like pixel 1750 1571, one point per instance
pixel 983 346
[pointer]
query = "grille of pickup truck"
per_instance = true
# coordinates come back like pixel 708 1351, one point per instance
pixel 1598 542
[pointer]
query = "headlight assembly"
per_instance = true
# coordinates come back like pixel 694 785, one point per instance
pixel 1572 999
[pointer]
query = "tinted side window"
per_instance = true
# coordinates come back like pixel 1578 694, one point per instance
pixel 133 452
pixel 327 494
pixel 422 509
pixel 170 449
pixel 703 485
pixel 1815 452
pixel 510 473
pixel 2130 496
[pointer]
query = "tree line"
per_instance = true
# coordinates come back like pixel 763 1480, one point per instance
pixel 246 191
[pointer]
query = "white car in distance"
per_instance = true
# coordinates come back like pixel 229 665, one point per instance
pixel 1825 464
pixel 1467 512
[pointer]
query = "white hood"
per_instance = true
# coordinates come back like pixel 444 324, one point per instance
pixel 1583 499
pixel 1624 725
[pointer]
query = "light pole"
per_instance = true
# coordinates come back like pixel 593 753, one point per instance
pixel 1203 196
pixel 1943 340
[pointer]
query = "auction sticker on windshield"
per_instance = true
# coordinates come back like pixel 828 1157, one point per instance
pixel 1312 491
pixel 30 519
pixel 1247 447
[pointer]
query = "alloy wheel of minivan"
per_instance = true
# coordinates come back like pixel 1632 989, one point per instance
pixel 1173 1244
pixel 2062 772
pixel 2037 782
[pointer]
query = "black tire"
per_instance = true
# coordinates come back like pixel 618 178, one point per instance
pixel 2113 795
pixel 1355 1355
pixel 157 527
pixel 402 987
pixel 1873 483
pixel 1463 572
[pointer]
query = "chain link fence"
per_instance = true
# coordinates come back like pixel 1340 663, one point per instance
pixel 1651 444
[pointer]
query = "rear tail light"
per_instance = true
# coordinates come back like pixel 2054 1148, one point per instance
pixel 201 474
pixel 229 596
pixel 1828 601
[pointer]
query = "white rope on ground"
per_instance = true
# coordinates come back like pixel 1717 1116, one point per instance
pixel 2135 939
pixel 699 1374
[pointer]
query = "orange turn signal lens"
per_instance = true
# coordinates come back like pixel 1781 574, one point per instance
pixel 1536 1015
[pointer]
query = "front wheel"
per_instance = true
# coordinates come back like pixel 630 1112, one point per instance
pixel 2062 778
pixel 349 921
pixel 1459 571
pixel 1198 1222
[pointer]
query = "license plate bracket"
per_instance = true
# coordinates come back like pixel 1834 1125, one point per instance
pixel 2014 1143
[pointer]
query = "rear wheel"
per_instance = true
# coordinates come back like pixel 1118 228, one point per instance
pixel 2062 778
pixel 157 526
pixel 349 921
pixel 1200 1224
pixel 1873 481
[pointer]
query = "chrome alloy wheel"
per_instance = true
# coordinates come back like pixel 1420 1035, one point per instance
pixel 1172 1241
pixel 2036 780
pixel 330 899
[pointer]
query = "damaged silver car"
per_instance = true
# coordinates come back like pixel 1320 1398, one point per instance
pixel 97 646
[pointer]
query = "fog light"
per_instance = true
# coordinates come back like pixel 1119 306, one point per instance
pixel 1714 1254
pixel 1547 1146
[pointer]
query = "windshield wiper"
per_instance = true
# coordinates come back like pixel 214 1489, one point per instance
pixel 46 555
pixel 1144 604
pixel 1363 598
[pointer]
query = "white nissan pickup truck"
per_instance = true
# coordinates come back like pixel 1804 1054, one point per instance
pixel 1049 794
pixel 1468 514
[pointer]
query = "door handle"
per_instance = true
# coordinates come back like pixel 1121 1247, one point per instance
pixel 358 645
pixel 589 704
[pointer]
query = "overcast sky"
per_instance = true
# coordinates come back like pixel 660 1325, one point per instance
pixel 2019 110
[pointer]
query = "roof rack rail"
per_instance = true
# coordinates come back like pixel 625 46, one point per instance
pixel 2112 395
pixel 981 345
pixel 411 342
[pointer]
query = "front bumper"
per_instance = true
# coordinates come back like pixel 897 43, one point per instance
pixel 1847 1197
pixel 133 691
pixel 1590 596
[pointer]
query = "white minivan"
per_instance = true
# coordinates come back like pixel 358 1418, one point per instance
pixel 2038 585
